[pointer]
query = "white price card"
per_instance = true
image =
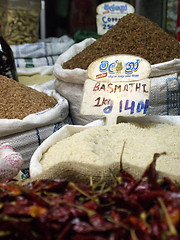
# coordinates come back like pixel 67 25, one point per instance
pixel 118 86
pixel 115 99
pixel 109 13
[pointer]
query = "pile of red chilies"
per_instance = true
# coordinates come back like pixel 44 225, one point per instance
pixel 144 209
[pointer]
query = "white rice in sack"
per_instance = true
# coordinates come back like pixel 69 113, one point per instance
pixel 96 151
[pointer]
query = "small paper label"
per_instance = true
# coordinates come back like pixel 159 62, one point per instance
pixel 114 8
pixel 109 13
pixel 119 67
pixel 111 99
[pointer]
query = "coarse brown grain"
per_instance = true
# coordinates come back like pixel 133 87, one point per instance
pixel 133 34
pixel 18 100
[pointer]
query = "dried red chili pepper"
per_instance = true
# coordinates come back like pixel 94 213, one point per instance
pixel 147 209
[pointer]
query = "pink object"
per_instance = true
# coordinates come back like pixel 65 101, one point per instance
pixel 10 161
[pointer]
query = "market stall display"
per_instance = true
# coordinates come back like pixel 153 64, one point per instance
pixel 115 179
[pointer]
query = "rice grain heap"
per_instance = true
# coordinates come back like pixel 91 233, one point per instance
pixel 18 100
pixel 135 35
pixel 101 146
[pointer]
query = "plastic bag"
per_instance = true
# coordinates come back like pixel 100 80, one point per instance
pixel 20 21
pixel 10 161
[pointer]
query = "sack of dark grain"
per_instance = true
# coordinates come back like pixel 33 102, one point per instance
pixel 133 34
pixel 29 115
pixel 23 108
pixel 18 101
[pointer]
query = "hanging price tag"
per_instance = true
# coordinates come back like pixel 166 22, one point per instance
pixel 115 99
pixel 110 94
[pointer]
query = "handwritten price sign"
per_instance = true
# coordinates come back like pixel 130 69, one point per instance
pixel 111 93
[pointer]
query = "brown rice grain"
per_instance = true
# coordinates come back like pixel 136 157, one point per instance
pixel 18 101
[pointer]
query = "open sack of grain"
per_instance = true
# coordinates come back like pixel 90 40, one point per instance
pixel 28 115
pixel 135 35
pixel 77 153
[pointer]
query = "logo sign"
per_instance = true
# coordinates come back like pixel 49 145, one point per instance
pixel 120 67
pixel 109 13
pixel 115 99
pixel 114 8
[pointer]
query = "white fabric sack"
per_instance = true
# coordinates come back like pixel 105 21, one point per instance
pixel 66 131
pixel 165 68
pixel 78 75
pixel 43 70
pixel 26 135
pixel 35 167
pixel 163 98
pixel 73 92
pixel 35 62
pixel 39 57
pixel 25 143
pixel 49 116
pixel 48 47
pixel 69 83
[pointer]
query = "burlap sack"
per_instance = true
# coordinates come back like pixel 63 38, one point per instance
pixel 78 172
pixel 164 87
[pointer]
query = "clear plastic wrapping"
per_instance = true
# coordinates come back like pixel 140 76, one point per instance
pixel 20 21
